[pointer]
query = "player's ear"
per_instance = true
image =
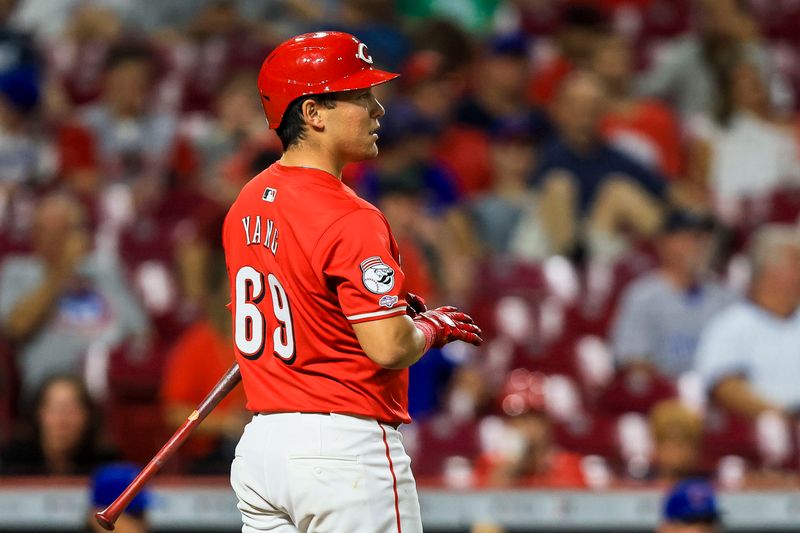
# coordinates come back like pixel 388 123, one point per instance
pixel 311 114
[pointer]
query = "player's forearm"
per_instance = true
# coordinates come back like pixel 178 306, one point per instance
pixel 410 347
pixel 392 343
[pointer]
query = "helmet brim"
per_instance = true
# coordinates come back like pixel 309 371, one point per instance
pixel 360 80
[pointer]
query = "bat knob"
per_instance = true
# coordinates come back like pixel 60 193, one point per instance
pixel 105 522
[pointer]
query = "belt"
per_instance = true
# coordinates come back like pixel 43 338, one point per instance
pixel 393 425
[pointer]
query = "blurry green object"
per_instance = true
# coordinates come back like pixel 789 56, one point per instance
pixel 472 15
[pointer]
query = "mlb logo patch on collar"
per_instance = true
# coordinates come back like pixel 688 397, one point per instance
pixel 269 194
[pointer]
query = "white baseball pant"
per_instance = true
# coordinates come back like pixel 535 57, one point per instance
pixel 320 473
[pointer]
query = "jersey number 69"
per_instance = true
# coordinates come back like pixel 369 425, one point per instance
pixel 250 323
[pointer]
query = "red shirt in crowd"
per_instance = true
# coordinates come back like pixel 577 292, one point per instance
pixel 196 362
pixel 649 126
pixel 565 472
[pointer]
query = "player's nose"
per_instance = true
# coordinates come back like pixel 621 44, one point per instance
pixel 377 109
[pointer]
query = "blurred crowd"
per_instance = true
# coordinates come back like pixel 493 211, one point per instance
pixel 610 187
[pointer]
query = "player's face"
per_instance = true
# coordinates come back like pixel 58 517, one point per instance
pixel 353 123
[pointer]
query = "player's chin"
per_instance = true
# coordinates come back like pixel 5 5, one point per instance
pixel 370 151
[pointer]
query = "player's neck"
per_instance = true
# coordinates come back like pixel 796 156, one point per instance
pixel 309 158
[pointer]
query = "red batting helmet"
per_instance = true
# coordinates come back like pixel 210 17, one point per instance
pixel 315 63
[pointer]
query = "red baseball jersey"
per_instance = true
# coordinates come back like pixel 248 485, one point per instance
pixel 307 258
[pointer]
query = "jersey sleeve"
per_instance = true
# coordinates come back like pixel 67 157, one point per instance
pixel 358 260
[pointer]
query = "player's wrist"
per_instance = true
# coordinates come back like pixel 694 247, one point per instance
pixel 428 331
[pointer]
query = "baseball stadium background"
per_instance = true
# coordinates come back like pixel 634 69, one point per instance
pixel 546 165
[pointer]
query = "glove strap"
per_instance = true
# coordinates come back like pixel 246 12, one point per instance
pixel 427 329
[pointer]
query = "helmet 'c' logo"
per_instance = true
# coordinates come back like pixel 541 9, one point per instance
pixel 362 54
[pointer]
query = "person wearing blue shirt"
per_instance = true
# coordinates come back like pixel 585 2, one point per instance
pixel 590 190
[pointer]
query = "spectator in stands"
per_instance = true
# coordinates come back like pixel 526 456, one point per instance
pixel 376 22
pixel 22 147
pixel 748 353
pixel 407 143
pixel 662 314
pixel 413 227
pixel 527 455
pixel 220 43
pixel 107 483
pixel 424 198
pixel 690 507
pixel 229 142
pixel 429 86
pixel 76 55
pixel 499 86
pixel 687 67
pixel 643 128
pixel 121 138
pixel 24 150
pixel 200 356
pixel 587 186
pixel 506 218
pixel 581 26
pixel 677 433
pixel 66 433
pixel 17 45
pixel 58 300
pixel 741 149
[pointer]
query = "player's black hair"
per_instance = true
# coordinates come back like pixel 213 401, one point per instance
pixel 293 129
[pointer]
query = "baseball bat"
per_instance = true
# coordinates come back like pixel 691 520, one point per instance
pixel 109 515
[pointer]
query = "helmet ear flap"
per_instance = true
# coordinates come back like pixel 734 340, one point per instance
pixel 264 100
pixel 315 63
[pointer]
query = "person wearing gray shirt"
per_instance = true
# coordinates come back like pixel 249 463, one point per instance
pixel 56 302
pixel 685 69
pixel 662 314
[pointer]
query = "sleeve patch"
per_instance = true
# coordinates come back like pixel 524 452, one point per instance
pixel 388 301
pixel 377 276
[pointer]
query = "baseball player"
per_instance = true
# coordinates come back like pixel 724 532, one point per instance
pixel 323 330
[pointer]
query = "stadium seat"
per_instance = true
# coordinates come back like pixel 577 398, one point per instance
pixel 633 390
pixel 136 429
pixel 602 285
pixel 9 389
pixel 440 438
pixel 725 433
pixel 589 434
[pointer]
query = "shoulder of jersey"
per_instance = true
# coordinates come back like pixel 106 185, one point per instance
pixel 335 201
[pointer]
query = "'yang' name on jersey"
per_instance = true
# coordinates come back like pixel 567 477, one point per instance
pixel 256 233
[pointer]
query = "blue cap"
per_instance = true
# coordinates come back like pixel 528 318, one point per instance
pixel 20 87
pixel 508 44
pixel 109 481
pixel 691 501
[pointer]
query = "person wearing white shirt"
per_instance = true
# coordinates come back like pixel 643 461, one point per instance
pixel 749 355
pixel 745 149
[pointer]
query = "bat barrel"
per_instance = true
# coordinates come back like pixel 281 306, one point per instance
pixel 106 521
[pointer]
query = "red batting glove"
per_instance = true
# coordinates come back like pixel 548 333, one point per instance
pixel 447 324
pixel 416 304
